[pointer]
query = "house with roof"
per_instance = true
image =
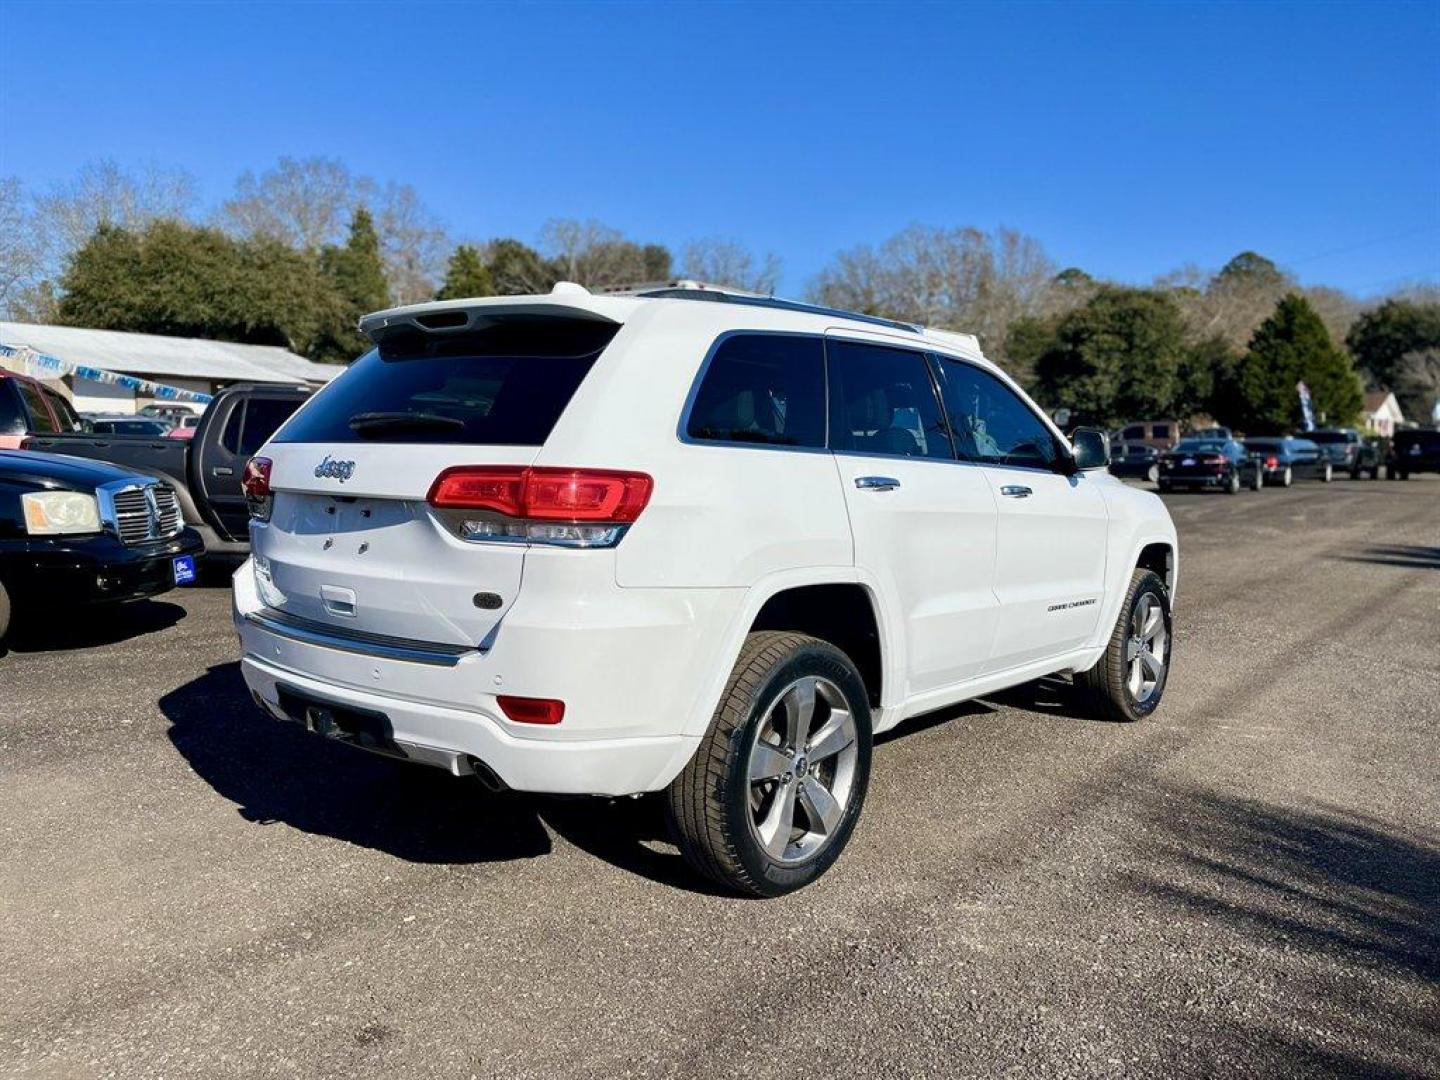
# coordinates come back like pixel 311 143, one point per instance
pixel 1382 413
pixel 196 365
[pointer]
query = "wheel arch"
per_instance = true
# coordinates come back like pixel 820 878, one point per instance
pixel 795 600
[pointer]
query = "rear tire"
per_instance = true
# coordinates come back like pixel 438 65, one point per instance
pixel 1128 681
pixel 1232 486
pixel 1287 477
pixel 1328 474
pixel 4 612
pixel 1153 474
pixel 795 706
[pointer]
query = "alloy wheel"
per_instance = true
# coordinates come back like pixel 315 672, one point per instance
pixel 801 769
pixel 1145 648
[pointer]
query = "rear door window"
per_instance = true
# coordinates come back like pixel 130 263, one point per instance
pixel 505 384
pixel 263 417
pixel 767 389
pixel 64 412
pixel 41 422
pixel 882 401
pixel 1162 431
pixel 12 416
pixel 991 424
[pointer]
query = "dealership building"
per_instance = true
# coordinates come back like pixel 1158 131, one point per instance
pixel 116 361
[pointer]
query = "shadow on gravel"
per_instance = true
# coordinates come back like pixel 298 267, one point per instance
pixel 277 772
pixel 91 626
pixel 1406 555
pixel 1357 897
pixel 1052 696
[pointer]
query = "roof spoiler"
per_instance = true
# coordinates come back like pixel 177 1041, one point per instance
pixel 566 301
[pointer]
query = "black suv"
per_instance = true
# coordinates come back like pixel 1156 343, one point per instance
pixel 1415 450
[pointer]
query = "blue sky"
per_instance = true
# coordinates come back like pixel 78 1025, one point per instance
pixel 1127 138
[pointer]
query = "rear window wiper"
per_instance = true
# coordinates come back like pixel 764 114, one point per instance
pixel 380 423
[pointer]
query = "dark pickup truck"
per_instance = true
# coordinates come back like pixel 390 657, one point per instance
pixel 206 470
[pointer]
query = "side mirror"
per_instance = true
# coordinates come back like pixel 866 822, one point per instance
pixel 1092 449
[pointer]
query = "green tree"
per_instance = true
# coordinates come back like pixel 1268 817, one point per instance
pixel 1290 347
pixel 357 275
pixel 1117 358
pixel 466 275
pixel 1208 380
pixel 517 269
pixel 183 280
pixel 1251 271
pixel 1381 336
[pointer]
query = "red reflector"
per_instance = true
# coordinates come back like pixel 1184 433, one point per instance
pixel 255 481
pixel 530 710
pixel 544 494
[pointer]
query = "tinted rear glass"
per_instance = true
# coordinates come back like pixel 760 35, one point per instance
pixel 506 384
pixel 263 417
pixel 763 388
pixel 1328 437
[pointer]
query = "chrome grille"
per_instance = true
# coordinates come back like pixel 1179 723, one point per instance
pixel 141 512
pixel 167 511
pixel 133 518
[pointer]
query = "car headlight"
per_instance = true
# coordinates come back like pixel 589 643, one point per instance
pixel 50 512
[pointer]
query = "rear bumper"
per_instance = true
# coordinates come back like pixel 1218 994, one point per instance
pixel 631 666
pixel 1207 480
pixel 455 739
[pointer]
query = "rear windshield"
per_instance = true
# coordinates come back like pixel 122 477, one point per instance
pixel 1263 444
pixel 506 384
pixel 1330 436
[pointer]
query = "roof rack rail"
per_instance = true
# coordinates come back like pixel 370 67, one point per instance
pixel 699 290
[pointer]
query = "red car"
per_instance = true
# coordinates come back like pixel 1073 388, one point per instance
pixel 29 407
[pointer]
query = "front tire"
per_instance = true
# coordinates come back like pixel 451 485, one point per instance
pixel 1328 474
pixel 772 794
pixel 4 612
pixel 1127 682
pixel 1153 474
pixel 1232 486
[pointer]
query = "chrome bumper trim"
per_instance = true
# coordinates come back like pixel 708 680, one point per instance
pixel 387 648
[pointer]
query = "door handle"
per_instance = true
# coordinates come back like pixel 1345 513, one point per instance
pixel 876 483
pixel 1016 491
pixel 223 470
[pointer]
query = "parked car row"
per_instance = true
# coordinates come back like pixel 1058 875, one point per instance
pixel 1144 451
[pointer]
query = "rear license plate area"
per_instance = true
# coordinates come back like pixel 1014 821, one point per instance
pixel 359 727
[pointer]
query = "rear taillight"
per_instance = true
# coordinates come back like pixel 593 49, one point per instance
pixel 527 710
pixel 256 484
pixel 563 507
pixel 1272 462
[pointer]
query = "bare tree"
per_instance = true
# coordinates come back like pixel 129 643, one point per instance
pixel 1232 303
pixel 595 255
pixel 961 278
pixel 725 262
pixel 413 244
pixel 303 202
pixel 22 249
pixel 1417 385
pixel 103 193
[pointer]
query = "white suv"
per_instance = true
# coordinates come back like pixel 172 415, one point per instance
pixel 689 541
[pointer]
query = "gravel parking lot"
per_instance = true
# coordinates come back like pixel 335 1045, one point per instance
pixel 1246 884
